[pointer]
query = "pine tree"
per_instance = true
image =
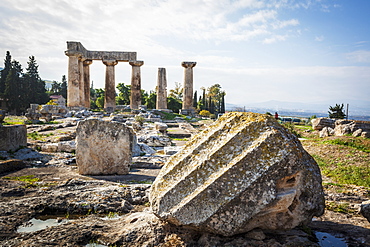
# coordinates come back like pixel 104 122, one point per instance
pixel 4 73
pixel 336 111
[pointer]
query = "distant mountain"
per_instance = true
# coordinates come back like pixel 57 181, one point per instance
pixel 357 109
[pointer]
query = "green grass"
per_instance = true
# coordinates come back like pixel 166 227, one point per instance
pixel 179 139
pixel 37 136
pixel 343 172
pixel 351 142
pixel 30 180
pixel 339 207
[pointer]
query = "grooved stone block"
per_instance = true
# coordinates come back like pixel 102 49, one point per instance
pixel 12 137
pixel 245 171
pixel 103 148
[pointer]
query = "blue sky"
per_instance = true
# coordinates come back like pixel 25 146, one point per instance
pixel 310 51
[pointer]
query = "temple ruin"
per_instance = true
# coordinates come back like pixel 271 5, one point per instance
pixel 79 75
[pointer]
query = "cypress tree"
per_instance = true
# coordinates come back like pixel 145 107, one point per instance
pixel 223 104
pixel 37 91
pixel 4 73
pixel 63 89
pixel 14 88
pixel 195 102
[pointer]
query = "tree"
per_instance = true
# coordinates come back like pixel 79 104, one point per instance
pixel 124 94
pixel 63 87
pixel 336 111
pixel 56 88
pixel 177 91
pixel 174 104
pixel 14 88
pixel 36 87
pixel 4 73
pixel 151 100
pixel 195 98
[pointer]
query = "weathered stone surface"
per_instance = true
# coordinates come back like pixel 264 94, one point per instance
pixel 162 127
pixel 357 133
pixel 154 139
pixel 103 147
pixel 365 210
pixel 365 134
pixel 320 123
pixel 244 172
pixel 343 127
pixel 326 131
pixel 11 165
pixel 12 137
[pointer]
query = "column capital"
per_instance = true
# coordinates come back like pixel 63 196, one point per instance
pixel 73 53
pixel 136 63
pixel 87 62
pixel 188 64
pixel 110 62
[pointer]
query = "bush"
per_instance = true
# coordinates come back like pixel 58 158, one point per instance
pixel 204 113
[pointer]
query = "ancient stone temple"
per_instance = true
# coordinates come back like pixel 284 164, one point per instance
pixel 78 94
pixel 245 171
pixel 161 103
pixel 187 104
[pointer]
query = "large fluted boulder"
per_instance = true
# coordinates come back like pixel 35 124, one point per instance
pixel 103 148
pixel 244 172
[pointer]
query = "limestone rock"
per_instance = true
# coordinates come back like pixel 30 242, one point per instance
pixel 161 127
pixel 320 123
pixel 365 134
pixel 326 131
pixel 155 140
pixel 365 210
pixel 12 137
pixel 103 147
pixel 245 171
pixel 11 165
pixel 357 133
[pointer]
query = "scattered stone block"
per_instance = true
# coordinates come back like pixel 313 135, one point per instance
pixel 365 210
pixel 320 123
pixel 12 137
pixel 244 172
pixel 103 148
pixel 11 165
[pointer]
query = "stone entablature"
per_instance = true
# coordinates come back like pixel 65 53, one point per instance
pixel 76 48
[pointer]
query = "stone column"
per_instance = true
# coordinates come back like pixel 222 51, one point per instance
pixel 161 103
pixel 73 97
pixel 86 70
pixel 187 104
pixel 135 99
pixel 110 91
pixel 81 89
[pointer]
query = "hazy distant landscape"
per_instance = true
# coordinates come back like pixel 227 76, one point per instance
pixel 360 110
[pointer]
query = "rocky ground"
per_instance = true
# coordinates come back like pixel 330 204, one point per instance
pixel 114 210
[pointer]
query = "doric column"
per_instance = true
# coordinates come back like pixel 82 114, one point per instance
pixel 187 103
pixel 86 70
pixel 135 99
pixel 73 97
pixel 110 91
pixel 81 89
pixel 161 89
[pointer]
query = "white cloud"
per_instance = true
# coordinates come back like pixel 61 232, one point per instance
pixel 360 56
pixel 319 38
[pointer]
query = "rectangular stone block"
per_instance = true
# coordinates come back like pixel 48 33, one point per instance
pixel 103 148
pixel 12 137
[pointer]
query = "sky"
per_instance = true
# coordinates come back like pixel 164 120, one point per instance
pixel 309 51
